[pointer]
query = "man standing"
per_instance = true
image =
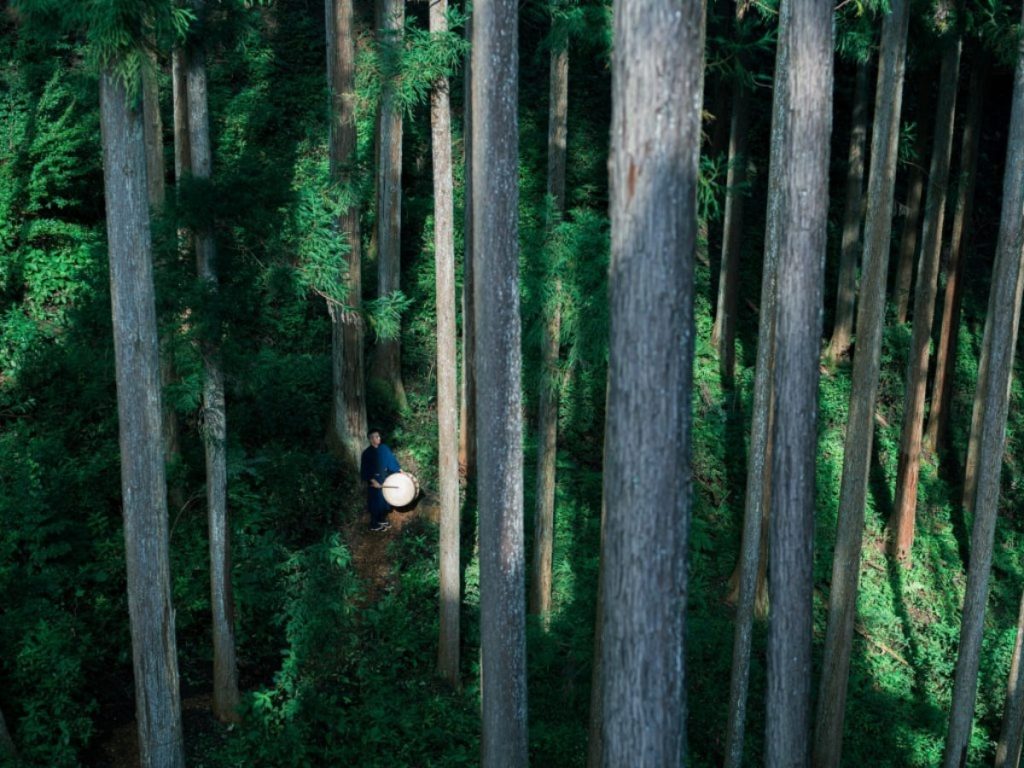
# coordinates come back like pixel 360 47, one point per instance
pixel 377 463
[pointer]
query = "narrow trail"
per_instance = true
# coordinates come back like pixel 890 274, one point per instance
pixel 370 550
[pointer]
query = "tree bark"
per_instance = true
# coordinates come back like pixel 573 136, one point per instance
pixel 1012 732
pixel 547 417
pixel 390 24
pixel 214 413
pixel 915 194
pixel 753 545
pixel 901 524
pixel 179 98
pixel 1004 311
pixel 347 428
pixel 495 147
pixel 447 398
pixel 803 220
pixel 842 602
pixel 853 213
pixel 143 485
pixel 153 130
pixel 945 358
pixel 467 406
pixel 657 66
pixel 723 333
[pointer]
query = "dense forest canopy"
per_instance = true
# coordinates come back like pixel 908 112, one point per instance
pixel 694 324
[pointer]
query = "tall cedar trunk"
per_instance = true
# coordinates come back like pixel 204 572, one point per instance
pixel 179 98
pixel 214 413
pixel 828 736
pixel 153 132
pixel 495 147
pixel 1004 311
pixel 723 333
pixel 803 220
pixel 7 748
pixel 595 738
pixel 915 194
pixel 945 356
pixel 752 564
pixel 657 67
pixel 977 414
pixel 387 364
pixel 143 486
pixel 447 398
pixel 467 405
pixel 547 417
pixel 901 524
pixel 853 212
pixel 348 402
pixel 1012 732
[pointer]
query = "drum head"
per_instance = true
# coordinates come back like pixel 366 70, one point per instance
pixel 400 489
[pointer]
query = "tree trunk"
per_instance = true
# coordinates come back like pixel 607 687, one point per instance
pixel 1004 311
pixel 214 414
pixel 179 98
pixel 467 406
pixel 153 130
pixel 901 524
pixel 977 413
pixel 846 292
pixel 390 22
pixel 495 146
pixel 347 428
pixel 915 194
pixel 143 485
pixel 753 545
pixel 842 603
pixel 657 67
pixel 1012 732
pixel 802 233
pixel 595 738
pixel 723 333
pixel 945 357
pixel 547 417
pixel 447 398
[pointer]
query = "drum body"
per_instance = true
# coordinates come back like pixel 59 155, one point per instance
pixel 401 489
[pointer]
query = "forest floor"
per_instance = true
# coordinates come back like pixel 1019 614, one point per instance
pixel 371 560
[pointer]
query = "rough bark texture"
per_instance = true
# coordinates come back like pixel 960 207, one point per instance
pixel 723 333
pixel 467 405
pixel 547 417
pixel 499 447
pixel 915 195
pixel 179 98
pixel 977 413
pixel 753 545
pixel 447 397
pixel 213 415
pixel 803 221
pixel 853 212
pixel 1012 732
pixel 143 486
pixel 901 524
pixel 153 130
pixel 387 364
pixel 595 739
pixel 828 736
pixel 347 428
pixel 1004 310
pixel 656 102
pixel 945 355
